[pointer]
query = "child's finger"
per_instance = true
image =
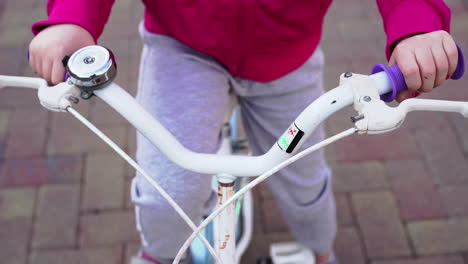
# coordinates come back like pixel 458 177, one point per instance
pixel 409 67
pixel 58 72
pixel 32 63
pixel 406 94
pixel 441 63
pixel 403 95
pixel 38 66
pixel 427 68
pixel 451 52
pixel 46 70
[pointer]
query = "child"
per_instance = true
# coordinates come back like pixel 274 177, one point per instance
pixel 195 51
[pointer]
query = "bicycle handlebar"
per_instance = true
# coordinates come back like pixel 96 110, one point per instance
pixel 398 80
pixel 307 122
pixel 242 166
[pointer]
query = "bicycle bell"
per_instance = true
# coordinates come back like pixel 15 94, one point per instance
pixel 91 68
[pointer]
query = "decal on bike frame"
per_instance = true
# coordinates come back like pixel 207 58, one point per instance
pixel 289 140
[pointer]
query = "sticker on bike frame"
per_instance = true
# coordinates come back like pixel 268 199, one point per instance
pixel 289 140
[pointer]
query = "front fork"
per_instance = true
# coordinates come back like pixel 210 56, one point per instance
pixel 225 223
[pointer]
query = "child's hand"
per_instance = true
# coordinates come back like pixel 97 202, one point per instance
pixel 426 61
pixel 48 48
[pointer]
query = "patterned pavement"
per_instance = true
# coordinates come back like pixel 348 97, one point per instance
pixel 64 195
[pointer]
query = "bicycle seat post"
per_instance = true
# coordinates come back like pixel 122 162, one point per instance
pixel 225 223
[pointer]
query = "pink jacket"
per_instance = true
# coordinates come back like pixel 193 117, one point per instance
pixel 259 40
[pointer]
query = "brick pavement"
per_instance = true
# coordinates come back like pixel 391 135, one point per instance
pixel 401 197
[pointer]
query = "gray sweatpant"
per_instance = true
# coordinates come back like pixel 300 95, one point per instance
pixel 189 93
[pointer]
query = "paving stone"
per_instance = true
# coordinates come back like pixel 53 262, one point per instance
pixel 119 22
pixel 445 158
pixel 2 147
pixel 131 249
pixel 374 51
pixel 367 31
pixel 10 63
pixel 71 256
pixel 461 128
pixel 426 260
pixel 15 35
pixel 399 144
pixel 122 6
pixel 377 215
pixel 334 52
pixel 330 157
pixel 17 203
pixel 454 197
pixel 2 7
pixel 27 71
pixel 439 236
pixel 135 51
pixel 15 5
pixel 348 246
pixel 332 78
pixel 4 122
pixel 343 208
pixel 16 98
pixel 273 221
pixel 131 151
pixel 459 24
pixel 341 120
pixel 128 198
pixel 57 216
pixel 72 137
pixel 131 142
pixel 27 133
pixel 38 171
pixel 455 5
pixel 22 18
pixel 14 237
pixel 355 176
pixel 137 10
pixel 104 182
pixel 416 194
pixel 348 10
pixel 450 90
pixel 109 228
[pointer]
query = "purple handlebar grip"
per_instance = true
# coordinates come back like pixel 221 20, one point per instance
pixel 398 80
pixel 460 70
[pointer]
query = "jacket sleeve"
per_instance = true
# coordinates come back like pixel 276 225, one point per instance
pixel 407 17
pixel 92 15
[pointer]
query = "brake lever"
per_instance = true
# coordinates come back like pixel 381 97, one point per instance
pixel 376 117
pixel 59 97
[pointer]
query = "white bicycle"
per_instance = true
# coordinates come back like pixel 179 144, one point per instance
pixel 91 71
